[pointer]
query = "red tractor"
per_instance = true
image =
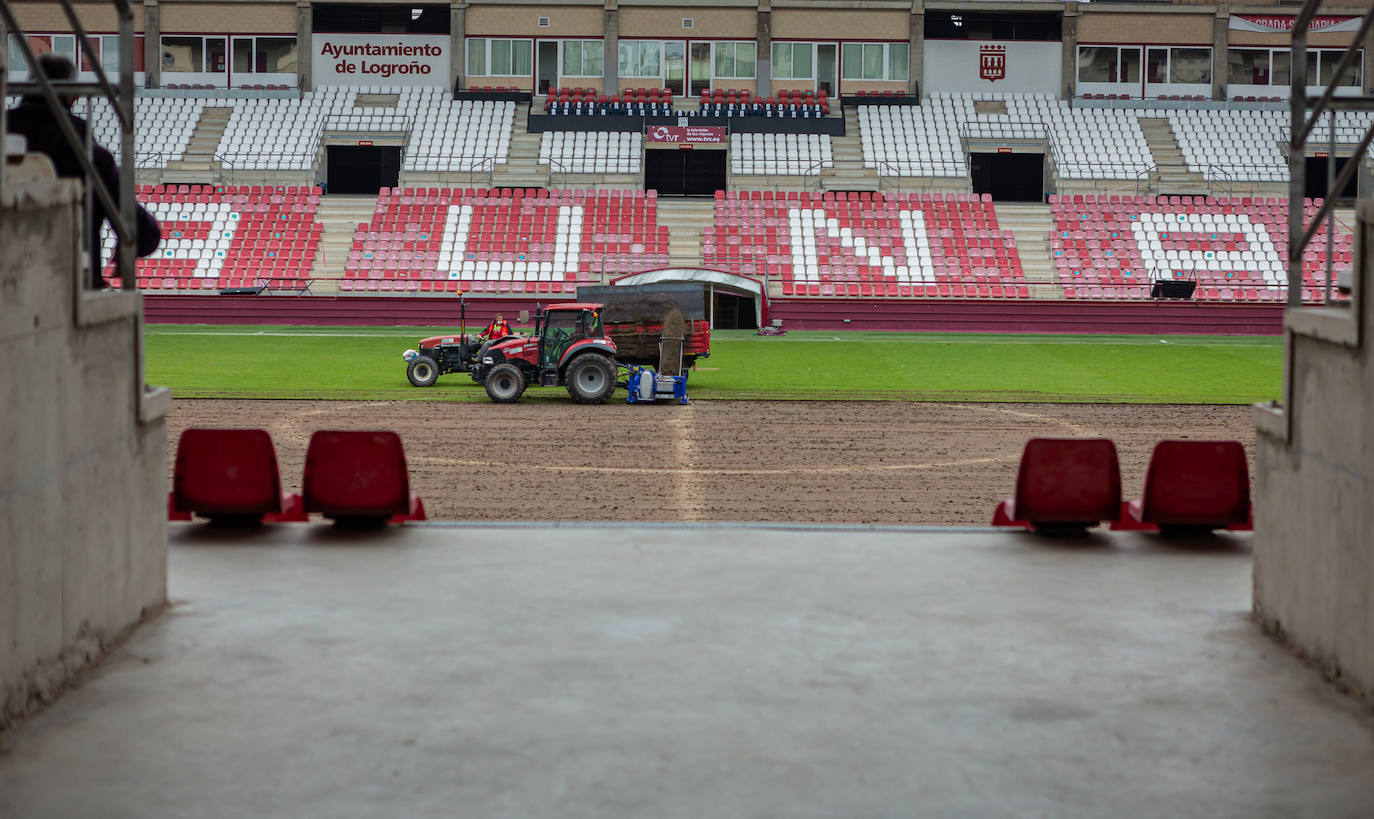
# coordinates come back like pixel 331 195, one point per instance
pixel 569 347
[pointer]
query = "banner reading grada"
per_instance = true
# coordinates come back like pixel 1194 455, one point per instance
pixel 380 59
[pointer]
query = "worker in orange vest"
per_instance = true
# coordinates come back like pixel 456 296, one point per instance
pixel 497 329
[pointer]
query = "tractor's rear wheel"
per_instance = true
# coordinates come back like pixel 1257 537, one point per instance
pixel 505 384
pixel 591 379
pixel 423 371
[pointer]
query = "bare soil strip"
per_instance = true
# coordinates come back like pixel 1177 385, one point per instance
pixel 793 461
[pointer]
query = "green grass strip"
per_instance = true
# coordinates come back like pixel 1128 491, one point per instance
pixel 364 363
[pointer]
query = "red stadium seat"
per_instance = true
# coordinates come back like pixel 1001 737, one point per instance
pixel 359 478
pixel 1064 484
pixel 229 475
pixel 1192 486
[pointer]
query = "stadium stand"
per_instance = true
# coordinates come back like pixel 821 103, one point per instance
pixel 780 154
pixel 1114 246
pixel 218 237
pixel 866 245
pixel 163 126
pixel 285 134
pixel 928 140
pixel 502 241
pixel 592 151
pixel 1246 144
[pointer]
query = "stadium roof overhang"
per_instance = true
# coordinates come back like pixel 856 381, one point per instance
pixel 715 279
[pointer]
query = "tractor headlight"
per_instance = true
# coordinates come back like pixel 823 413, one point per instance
pixel 486 359
pixel 409 356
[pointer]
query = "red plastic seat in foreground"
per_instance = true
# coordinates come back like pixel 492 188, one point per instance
pixel 359 477
pixel 229 474
pixel 1199 485
pixel 1064 483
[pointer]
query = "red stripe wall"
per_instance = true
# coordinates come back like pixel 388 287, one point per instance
pixel 947 315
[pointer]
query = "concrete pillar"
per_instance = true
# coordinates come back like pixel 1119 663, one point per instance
pixel 1221 37
pixel 305 23
pixel 83 481
pixel 152 44
pixel 917 40
pixel 457 43
pixel 763 59
pixel 1069 66
pixel 610 49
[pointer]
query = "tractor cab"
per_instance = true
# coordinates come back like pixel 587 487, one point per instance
pixel 561 331
pixel 559 327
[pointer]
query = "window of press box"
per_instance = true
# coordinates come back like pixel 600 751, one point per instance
pixel 1108 64
pixel 1272 66
pixel 194 55
pixel 641 58
pixel 1248 66
pixel 793 61
pixel 385 18
pixel 964 25
pixel 1181 66
pixel 1322 66
pixel 875 61
pixel 499 57
pixel 64 44
pixel 582 58
pixel 735 60
pixel 106 48
pixel 264 55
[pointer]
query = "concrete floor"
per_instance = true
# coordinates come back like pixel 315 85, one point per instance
pixel 569 671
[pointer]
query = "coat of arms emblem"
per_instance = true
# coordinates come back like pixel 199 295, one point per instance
pixel 992 62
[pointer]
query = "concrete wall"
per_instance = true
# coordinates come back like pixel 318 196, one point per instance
pixel 83 547
pixel 1314 487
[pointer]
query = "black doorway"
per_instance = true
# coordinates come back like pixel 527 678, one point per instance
pixel 548 65
pixel 1009 177
pixel 363 169
pixel 1316 178
pixel 731 312
pixel 684 172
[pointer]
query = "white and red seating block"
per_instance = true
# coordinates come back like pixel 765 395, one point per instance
pixel 227 236
pixel 503 241
pixel 866 244
pixel 1115 247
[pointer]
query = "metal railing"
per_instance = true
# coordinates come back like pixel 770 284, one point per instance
pixel 1303 127
pixel 1240 179
pixel 471 168
pixel 119 208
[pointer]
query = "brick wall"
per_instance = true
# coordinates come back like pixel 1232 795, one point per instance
pixel 810 24
pixel 1188 29
pixel 564 21
pixel 229 18
pixel 95 17
pixel 707 23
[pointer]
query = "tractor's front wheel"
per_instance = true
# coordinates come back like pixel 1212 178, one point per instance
pixel 591 379
pixel 505 384
pixel 423 371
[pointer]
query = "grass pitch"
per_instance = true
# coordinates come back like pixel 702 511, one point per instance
pixel 364 363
